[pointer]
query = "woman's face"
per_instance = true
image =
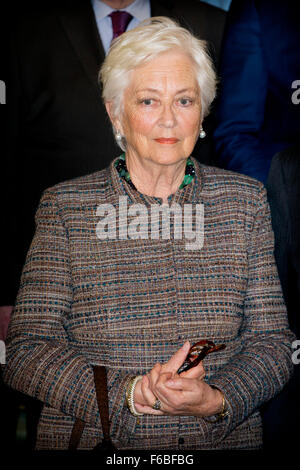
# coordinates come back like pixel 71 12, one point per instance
pixel 161 110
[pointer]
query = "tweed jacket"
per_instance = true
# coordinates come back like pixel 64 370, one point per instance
pixel 129 303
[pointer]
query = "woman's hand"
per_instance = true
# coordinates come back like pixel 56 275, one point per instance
pixel 184 394
pixel 143 394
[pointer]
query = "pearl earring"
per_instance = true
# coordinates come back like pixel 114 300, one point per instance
pixel 202 133
pixel 118 136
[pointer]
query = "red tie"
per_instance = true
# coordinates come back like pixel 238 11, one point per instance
pixel 120 21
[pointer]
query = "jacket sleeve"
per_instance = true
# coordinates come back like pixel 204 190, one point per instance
pixel 40 360
pixel 264 365
pixel 243 90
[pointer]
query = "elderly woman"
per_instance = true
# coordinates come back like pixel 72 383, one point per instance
pixel 107 282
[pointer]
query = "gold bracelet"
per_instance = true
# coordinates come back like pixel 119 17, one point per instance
pixel 130 394
pixel 222 414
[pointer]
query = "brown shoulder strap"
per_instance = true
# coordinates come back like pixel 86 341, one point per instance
pixel 102 398
pixel 100 379
pixel 76 434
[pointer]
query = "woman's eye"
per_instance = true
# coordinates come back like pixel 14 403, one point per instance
pixel 185 101
pixel 147 101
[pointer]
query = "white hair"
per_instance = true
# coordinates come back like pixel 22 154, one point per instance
pixel 152 37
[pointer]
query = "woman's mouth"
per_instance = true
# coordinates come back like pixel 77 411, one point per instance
pixel 164 140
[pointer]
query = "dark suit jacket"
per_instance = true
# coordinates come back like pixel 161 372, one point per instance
pixel 260 62
pixel 58 126
pixel 281 416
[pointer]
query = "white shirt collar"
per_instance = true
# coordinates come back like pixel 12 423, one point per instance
pixel 139 9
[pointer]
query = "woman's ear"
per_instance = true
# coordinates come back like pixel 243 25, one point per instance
pixel 110 111
pixel 108 106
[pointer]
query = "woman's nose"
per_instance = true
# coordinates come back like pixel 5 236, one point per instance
pixel 167 118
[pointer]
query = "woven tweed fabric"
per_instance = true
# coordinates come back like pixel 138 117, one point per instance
pixel 130 303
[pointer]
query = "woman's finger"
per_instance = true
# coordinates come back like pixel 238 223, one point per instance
pixel 149 397
pixel 197 372
pixel 148 410
pixel 165 394
pixel 177 359
pixel 153 375
pixel 156 379
pixel 180 384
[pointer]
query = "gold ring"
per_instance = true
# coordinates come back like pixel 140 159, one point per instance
pixel 157 404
